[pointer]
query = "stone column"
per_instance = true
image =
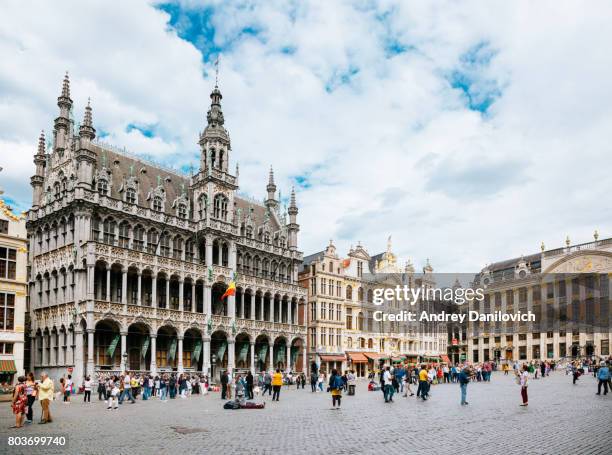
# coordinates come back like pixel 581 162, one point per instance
pixel 167 291
pixel 90 282
pixel 123 351
pixel 78 355
pixel 207 299
pixel 288 354
pixel 124 275
pixel 108 284
pixel 242 305
pixel 290 311
pixel 209 252
pixel 231 355
pixel 252 306
pixel 304 359
pixel 206 353
pixel 139 295
pixel 252 357
pixel 153 354
pixel 45 358
pixel 193 295
pixel 181 295
pixel 154 290
pixel 271 347
pixel 272 305
pixel 90 352
pixel 33 351
pixel 261 308
pixel 179 365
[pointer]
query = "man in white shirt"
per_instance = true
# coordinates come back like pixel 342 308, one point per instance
pixel 127 389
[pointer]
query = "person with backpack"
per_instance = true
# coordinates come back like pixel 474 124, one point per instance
pixel 335 386
pixel 464 380
pixel 603 377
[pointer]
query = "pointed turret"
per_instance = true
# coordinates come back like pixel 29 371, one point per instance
pixel 271 202
pixel 214 140
pixel 38 179
pixel 293 227
pixel 62 123
pixel 87 130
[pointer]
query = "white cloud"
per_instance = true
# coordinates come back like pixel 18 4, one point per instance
pixel 393 149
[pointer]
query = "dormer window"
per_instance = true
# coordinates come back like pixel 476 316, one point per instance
pixel 249 232
pixel 103 187
pixel 158 204
pixel 266 237
pixel 182 211
pixel 130 196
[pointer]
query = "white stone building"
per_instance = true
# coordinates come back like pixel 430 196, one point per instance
pixel 129 261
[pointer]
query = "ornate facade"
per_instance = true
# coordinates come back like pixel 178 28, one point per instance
pixel 129 260
pixel 342 331
pixel 568 291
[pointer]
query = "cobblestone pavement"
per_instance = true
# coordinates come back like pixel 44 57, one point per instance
pixel 561 418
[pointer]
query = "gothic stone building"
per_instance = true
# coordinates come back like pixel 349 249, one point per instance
pixel 129 261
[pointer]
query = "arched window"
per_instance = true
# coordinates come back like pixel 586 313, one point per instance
pixel 95 228
pixel 152 240
pixel 220 210
pixel 349 293
pixel 56 188
pixel 256 264
pixel 189 250
pixel 249 232
pixel 109 231
pixel 265 268
pixel 177 248
pixel 164 245
pixel 202 205
pixel 130 196
pixel 182 211
pixel 370 296
pixel 103 187
pixel 370 343
pixel 360 294
pixel 213 157
pixel 349 342
pixel 360 321
pixel 138 243
pixel 124 234
pixel 362 343
pixel 64 185
pixel 158 204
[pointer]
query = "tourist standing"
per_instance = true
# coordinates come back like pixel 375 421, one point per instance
pixel 31 394
pixel 45 396
pixel 335 386
pixel 127 389
pixel 388 381
pixel 423 389
pixel 224 379
pixel 249 386
pixel 20 401
pixel 313 381
pixel 277 382
pixel 464 380
pixel 603 377
pixel 113 401
pixel 523 379
pixel 87 390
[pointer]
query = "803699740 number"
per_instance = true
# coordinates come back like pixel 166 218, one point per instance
pixel 57 441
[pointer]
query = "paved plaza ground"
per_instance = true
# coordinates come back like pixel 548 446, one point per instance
pixel 561 418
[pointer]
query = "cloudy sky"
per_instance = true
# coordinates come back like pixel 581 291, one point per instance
pixel 468 131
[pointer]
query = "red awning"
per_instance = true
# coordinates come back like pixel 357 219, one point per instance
pixel 7 366
pixel 445 358
pixel 357 357
pixel 375 355
pixel 332 358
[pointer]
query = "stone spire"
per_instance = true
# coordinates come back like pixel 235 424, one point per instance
pixel 41 143
pixel 63 101
pixel 62 122
pixel 271 201
pixel 214 140
pixel 87 130
pixel 38 179
pixel 293 228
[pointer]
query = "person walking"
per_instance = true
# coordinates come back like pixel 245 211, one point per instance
pixel 101 389
pixel 423 388
pixel 335 386
pixel 523 379
pixel 31 394
pixel 464 380
pixel 313 381
pixel 45 396
pixel 277 382
pixel 113 400
pixel 20 402
pixel 127 389
pixel 388 381
pixel 87 390
pixel 603 377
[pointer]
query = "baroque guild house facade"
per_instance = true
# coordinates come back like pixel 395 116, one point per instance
pixel 342 330
pixel 129 260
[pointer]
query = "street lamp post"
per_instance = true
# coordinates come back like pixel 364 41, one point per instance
pixel 212 367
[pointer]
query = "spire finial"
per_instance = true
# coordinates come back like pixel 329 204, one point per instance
pixel 542 246
pixel 567 241
pixel 66 86
pixel 271 177
pixel 596 235
pixel 217 72
pixel 41 143
pixel 292 203
pixel 86 128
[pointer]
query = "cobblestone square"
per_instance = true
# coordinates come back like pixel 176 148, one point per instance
pixel 561 418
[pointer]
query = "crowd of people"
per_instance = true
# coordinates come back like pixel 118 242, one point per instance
pixel 116 389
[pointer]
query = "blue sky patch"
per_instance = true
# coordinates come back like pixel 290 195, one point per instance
pixel 145 130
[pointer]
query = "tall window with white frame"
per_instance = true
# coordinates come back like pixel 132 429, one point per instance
pixel 7 311
pixel 8 263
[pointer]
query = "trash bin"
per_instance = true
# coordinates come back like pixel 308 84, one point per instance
pixel 351 389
